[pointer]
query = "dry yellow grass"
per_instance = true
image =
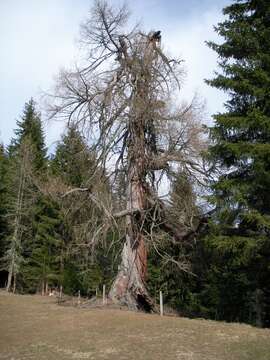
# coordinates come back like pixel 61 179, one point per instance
pixel 35 327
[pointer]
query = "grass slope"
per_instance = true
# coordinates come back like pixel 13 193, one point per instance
pixel 35 327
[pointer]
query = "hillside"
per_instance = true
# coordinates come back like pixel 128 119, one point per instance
pixel 35 327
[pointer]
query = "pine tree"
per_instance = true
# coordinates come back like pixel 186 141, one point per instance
pixel 241 150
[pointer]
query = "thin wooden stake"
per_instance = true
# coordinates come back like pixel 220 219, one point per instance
pixel 104 295
pixel 61 291
pixel 79 297
pixel 96 292
pixel 14 283
pixel 161 303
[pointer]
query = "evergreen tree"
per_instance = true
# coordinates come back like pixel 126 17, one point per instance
pixel 73 161
pixel 3 207
pixel 184 209
pixel 85 265
pixel 3 191
pixel 43 263
pixel 26 159
pixel 20 200
pixel 171 268
pixel 30 128
pixel 241 150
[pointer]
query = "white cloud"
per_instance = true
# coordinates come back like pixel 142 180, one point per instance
pixel 38 38
pixel 187 41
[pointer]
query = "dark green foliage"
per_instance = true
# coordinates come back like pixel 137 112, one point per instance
pixel 30 129
pixel 230 266
pixel 170 269
pixel 43 252
pixel 242 135
pixel 20 195
pixel 26 160
pixel 231 279
pixel 166 277
pixel 87 273
pixel 183 209
pixel 238 246
pixel 86 264
pixel 3 195
pixel 3 209
pixel 73 161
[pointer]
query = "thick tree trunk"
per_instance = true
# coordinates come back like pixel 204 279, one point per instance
pixel 129 287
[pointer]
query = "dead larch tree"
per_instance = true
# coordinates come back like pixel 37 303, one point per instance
pixel 121 94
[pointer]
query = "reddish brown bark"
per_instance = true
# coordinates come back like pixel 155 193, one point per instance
pixel 141 260
pixel 129 287
pixel 130 284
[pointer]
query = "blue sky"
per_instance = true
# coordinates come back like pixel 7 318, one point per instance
pixel 39 36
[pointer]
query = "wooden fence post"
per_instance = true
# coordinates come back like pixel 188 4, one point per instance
pixel 161 303
pixel 104 295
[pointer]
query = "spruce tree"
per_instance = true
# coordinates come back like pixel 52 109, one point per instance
pixel 27 159
pixel 84 265
pixel 3 191
pixel 241 151
pixel 171 268
pixel 43 263
pixel 20 200
pixel 73 161
pixel 30 128
pixel 3 207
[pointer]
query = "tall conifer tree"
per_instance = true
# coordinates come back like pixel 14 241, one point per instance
pixel 85 264
pixel 3 190
pixel 30 128
pixel 27 158
pixel 241 150
pixel 3 207
pixel 73 161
